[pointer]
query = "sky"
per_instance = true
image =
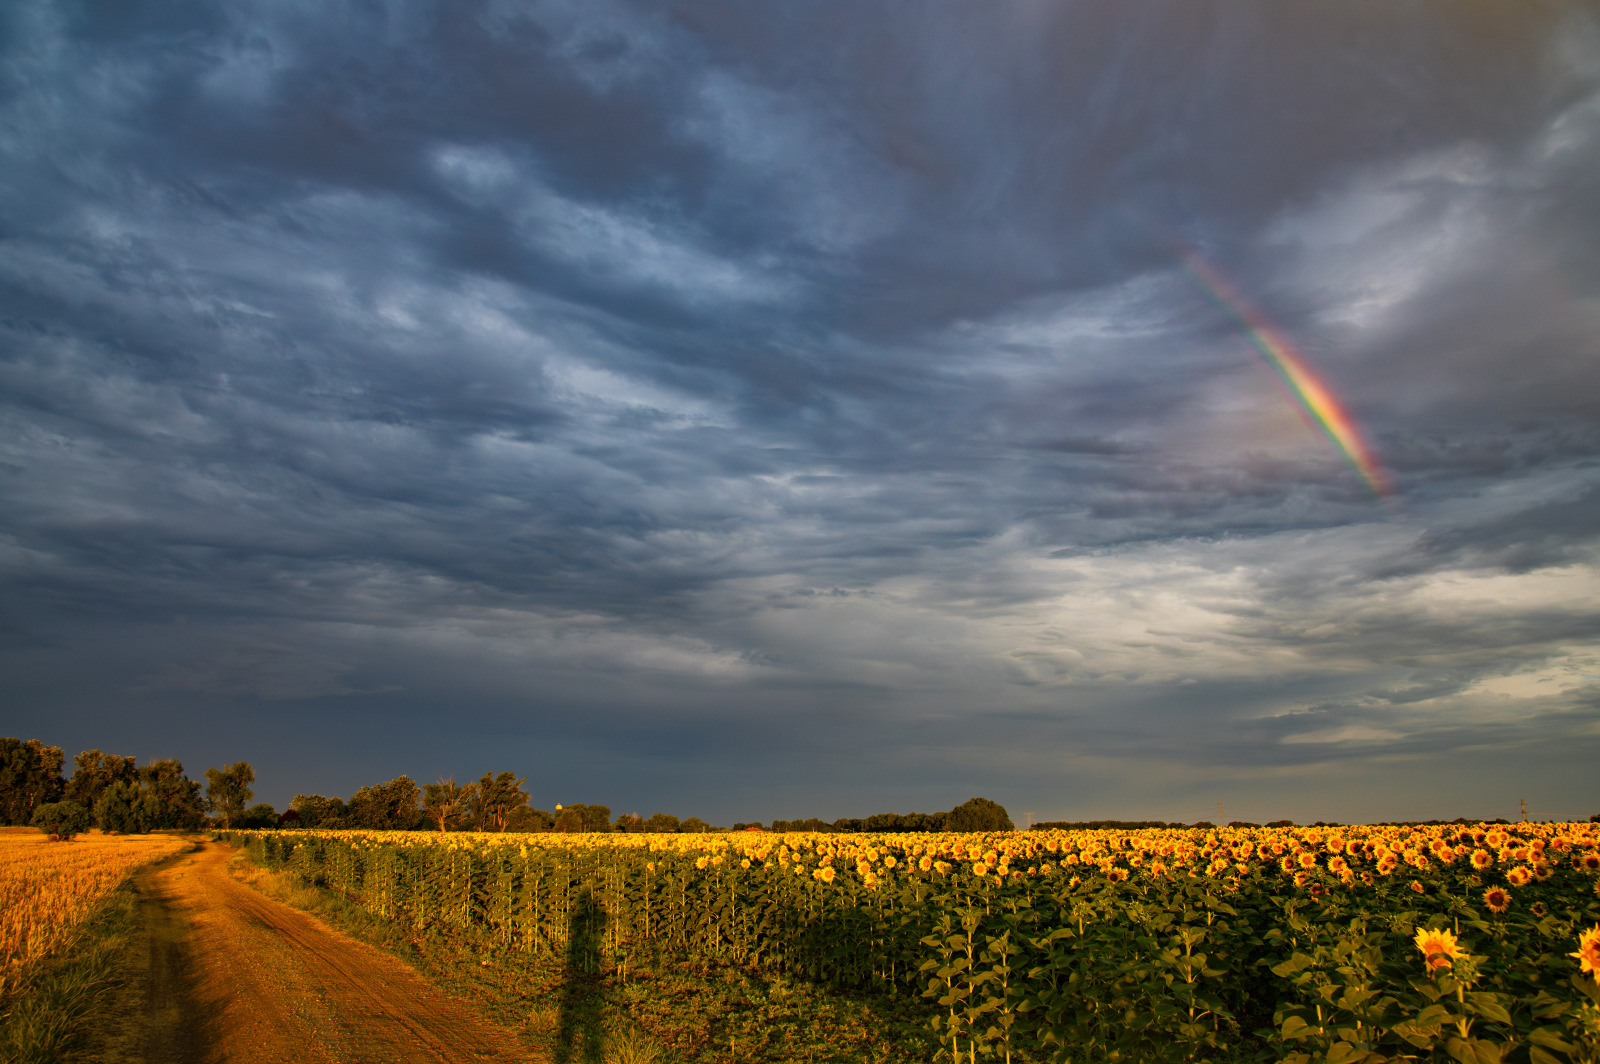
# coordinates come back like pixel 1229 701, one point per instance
pixel 757 411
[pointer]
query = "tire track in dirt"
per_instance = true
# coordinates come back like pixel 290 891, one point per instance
pixel 278 986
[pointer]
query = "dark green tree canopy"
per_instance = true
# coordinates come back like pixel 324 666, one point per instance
pixel 984 814
pixel 447 804
pixel 228 790
pixel 124 809
pixel 62 819
pixel 94 771
pixel 979 814
pixel 319 811
pixel 261 815
pixel 581 817
pixel 496 797
pixel 30 776
pixel 527 818
pixel 392 806
pixel 175 797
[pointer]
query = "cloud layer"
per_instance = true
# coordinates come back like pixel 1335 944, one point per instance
pixel 754 413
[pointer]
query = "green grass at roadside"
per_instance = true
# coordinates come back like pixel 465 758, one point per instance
pixel 664 1011
pixel 50 1019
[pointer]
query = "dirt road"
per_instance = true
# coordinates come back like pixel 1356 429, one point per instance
pixel 237 978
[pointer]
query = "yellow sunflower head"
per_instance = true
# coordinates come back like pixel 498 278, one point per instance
pixel 1519 876
pixel 1498 899
pixel 1481 859
pixel 1589 952
pixel 1439 948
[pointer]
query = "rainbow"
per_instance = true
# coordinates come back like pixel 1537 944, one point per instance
pixel 1322 411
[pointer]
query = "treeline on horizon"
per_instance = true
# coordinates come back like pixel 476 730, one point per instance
pixel 496 802
pixel 114 793
pixel 106 790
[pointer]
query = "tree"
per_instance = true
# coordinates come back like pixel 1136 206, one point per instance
pixel 581 817
pixel 527 818
pixel 979 814
pixel 497 796
pixel 447 802
pixel 809 824
pixel 261 815
pixel 318 811
pixel 62 820
pixel 388 806
pixel 228 790
pixel 30 775
pixel 694 825
pixel 174 798
pixel 124 809
pixel 662 822
pixel 93 772
pixel 631 823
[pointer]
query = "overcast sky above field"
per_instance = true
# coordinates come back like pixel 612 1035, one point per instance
pixel 769 410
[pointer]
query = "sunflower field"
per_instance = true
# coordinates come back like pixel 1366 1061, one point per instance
pixel 1337 945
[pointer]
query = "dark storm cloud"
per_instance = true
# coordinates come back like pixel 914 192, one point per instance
pixel 800 396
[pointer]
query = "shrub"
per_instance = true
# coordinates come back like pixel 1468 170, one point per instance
pixel 62 820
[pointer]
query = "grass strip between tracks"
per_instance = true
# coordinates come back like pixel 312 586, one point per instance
pixel 674 1010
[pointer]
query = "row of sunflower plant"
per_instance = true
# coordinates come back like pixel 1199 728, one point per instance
pixel 1365 944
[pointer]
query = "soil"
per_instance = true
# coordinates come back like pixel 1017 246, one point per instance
pixel 225 975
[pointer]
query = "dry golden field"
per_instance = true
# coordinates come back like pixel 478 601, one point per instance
pixel 48 888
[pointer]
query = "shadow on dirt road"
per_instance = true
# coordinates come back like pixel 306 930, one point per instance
pixel 234 976
pixel 156 1017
